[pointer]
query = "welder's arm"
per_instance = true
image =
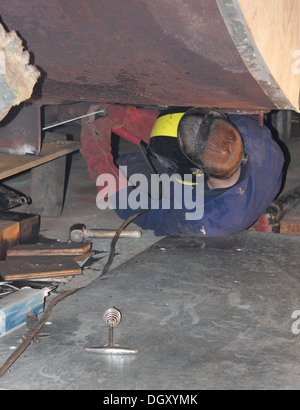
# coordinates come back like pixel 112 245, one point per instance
pixel 130 123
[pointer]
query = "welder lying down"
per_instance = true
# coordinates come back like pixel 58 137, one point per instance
pixel 232 158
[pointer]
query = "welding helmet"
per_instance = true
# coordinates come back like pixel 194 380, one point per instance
pixel 179 155
pixel 163 142
pixel 211 142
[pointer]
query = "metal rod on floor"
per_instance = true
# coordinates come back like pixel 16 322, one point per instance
pixel 29 337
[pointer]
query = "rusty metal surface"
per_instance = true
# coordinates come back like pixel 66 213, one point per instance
pixel 147 52
pixel 20 130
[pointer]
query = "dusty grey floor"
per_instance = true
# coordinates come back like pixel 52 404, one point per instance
pixel 214 314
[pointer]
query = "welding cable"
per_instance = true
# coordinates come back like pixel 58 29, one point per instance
pixel 143 147
pixel 114 241
pixel 31 334
pixel 144 151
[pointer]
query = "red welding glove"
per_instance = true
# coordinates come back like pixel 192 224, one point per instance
pixel 137 125
pixel 131 123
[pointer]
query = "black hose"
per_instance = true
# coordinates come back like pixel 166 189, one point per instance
pixel 114 241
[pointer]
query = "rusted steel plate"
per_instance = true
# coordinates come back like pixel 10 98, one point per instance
pixel 148 52
pixel 20 130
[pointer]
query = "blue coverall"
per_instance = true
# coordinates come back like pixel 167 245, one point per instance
pixel 233 209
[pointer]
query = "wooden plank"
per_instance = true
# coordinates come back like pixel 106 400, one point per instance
pixel 85 256
pixel 9 236
pixel 29 225
pixel 38 267
pixel 82 259
pixel 290 225
pixel 56 249
pixel 51 149
pixel 16 228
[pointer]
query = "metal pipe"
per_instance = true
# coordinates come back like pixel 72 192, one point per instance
pixel 103 113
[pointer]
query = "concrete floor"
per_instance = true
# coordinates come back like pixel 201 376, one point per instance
pixel 204 314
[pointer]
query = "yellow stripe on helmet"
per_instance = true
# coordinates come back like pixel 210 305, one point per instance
pixel 167 125
pixel 185 182
pixel 196 173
